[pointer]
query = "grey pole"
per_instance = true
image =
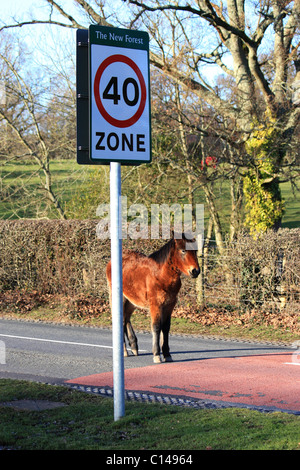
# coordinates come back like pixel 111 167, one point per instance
pixel 117 289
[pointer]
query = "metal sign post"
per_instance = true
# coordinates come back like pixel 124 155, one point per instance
pixel 113 108
pixel 117 290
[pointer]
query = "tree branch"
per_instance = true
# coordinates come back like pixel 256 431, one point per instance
pixel 208 13
pixel 194 86
pixel 26 23
pixel 64 14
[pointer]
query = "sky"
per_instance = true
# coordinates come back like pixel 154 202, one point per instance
pixel 25 9
pixel 13 11
pixel 45 37
pixel 43 40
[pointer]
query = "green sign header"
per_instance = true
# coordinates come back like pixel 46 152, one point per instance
pixel 128 38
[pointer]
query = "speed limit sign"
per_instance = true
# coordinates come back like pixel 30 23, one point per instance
pixel 119 96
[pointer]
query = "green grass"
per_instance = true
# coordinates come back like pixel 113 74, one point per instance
pixel 87 423
pixel 22 188
pixel 291 218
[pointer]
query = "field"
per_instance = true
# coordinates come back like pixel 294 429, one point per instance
pixel 80 189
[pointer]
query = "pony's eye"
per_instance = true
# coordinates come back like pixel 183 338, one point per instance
pixel 183 251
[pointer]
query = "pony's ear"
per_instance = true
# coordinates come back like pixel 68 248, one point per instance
pixel 172 233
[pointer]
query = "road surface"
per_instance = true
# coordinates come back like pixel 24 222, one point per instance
pixel 208 371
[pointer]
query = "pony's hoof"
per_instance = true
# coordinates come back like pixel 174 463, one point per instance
pixel 168 359
pixel 135 352
pixel 156 359
pixel 125 353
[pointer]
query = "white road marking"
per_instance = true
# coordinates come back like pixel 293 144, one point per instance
pixel 56 341
pixel 62 342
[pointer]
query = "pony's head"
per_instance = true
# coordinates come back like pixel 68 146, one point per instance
pixel 186 257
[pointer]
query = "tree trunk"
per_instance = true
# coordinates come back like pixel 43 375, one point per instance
pixel 236 191
pixel 215 218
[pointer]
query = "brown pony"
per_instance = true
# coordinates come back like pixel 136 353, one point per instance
pixel 153 282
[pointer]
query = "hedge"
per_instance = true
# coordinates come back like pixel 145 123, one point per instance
pixel 41 258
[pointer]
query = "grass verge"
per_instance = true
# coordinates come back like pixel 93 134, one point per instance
pixel 86 423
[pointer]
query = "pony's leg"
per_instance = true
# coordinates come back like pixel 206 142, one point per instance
pixel 124 326
pixel 156 330
pixel 165 339
pixel 128 309
pixel 165 327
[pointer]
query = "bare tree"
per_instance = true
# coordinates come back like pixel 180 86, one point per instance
pixel 255 43
pixel 263 114
pixel 22 118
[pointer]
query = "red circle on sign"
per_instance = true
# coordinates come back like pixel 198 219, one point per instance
pixel 116 122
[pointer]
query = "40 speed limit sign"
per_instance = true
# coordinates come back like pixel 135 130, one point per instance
pixel 119 96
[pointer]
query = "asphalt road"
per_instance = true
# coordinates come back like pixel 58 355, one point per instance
pixel 54 353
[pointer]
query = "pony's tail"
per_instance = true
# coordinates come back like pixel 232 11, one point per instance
pixel 108 279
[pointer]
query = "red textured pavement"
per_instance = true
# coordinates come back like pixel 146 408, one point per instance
pixel 270 380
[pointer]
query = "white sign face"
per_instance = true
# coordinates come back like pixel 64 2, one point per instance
pixel 120 96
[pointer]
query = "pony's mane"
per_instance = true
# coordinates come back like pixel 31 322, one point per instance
pixel 161 255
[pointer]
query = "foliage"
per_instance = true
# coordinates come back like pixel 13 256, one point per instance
pixel 264 206
pixel 265 209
